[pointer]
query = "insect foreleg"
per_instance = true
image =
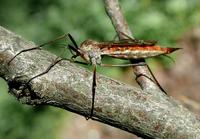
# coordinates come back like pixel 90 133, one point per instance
pixel 74 49
pixel 73 41
pixel 38 47
pixel 93 92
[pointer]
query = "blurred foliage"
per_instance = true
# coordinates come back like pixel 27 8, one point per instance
pixel 42 20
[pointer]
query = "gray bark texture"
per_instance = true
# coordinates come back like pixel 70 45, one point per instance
pixel 148 113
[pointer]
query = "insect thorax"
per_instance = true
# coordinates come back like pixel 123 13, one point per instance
pixel 91 52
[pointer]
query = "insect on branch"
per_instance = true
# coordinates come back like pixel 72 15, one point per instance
pixel 92 51
pixel 148 115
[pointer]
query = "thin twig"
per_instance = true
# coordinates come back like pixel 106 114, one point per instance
pixel 114 12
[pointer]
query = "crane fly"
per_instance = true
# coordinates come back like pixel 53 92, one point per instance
pixel 92 51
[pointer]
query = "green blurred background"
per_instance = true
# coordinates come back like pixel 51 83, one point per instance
pixel 43 20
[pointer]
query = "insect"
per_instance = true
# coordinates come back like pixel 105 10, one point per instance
pixel 92 51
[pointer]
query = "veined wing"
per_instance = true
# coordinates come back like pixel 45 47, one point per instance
pixel 127 43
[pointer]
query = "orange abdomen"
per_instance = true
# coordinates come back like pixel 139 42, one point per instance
pixel 136 52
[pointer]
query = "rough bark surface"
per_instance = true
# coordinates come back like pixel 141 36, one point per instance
pixel 147 114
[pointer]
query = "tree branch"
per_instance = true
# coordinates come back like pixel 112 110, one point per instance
pixel 68 86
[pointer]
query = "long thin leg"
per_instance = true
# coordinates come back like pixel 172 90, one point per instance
pixel 123 65
pixel 93 92
pixel 153 80
pixel 38 47
pixel 146 42
pixel 79 62
pixel 125 35
pixel 25 50
pixel 53 41
pixel 51 66
pixel 73 41
pixel 139 64
pixel 71 48
pixel 47 70
pixel 156 81
pixel 72 51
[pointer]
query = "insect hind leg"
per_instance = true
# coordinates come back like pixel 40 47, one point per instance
pixel 153 80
